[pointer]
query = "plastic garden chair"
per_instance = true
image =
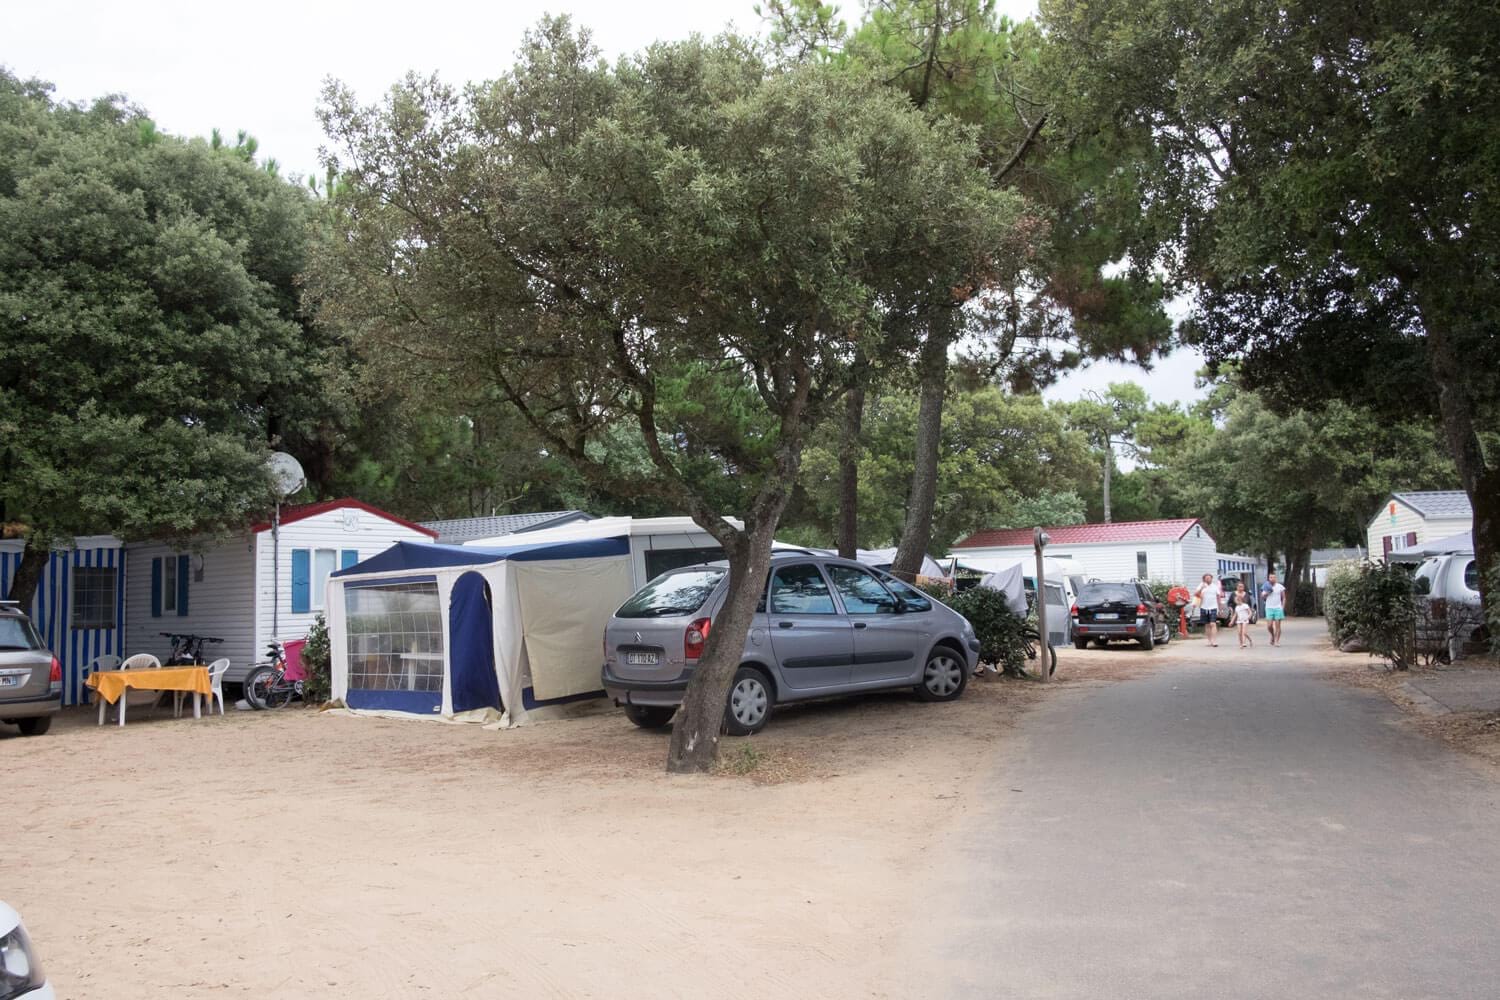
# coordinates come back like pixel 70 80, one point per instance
pixel 216 672
pixel 134 697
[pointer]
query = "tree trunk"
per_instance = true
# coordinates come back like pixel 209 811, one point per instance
pixel 916 536
pixel 28 574
pixel 849 445
pixel 1480 482
pixel 700 720
pixel 1296 564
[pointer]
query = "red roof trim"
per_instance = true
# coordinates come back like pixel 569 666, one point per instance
pixel 1119 532
pixel 302 511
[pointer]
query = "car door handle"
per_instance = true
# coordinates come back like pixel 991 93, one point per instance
pixel 786 624
pixel 860 625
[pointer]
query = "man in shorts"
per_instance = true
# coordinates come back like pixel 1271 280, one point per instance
pixel 1275 597
pixel 1209 594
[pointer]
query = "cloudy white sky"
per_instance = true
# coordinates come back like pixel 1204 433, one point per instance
pixel 196 65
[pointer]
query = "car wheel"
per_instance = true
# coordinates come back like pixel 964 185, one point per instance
pixel 1166 634
pixel 1080 644
pixel 36 726
pixel 944 676
pixel 1148 641
pixel 650 716
pixel 750 703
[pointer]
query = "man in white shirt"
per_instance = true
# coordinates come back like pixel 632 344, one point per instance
pixel 1275 595
pixel 1210 594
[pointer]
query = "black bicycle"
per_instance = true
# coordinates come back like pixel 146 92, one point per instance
pixel 187 648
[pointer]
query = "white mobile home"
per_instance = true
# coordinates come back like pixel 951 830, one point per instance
pixel 254 587
pixel 1407 520
pixel 1172 551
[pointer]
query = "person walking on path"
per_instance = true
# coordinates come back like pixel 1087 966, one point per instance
pixel 1275 595
pixel 1242 616
pixel 1210 594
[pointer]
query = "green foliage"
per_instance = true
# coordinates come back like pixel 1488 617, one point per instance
pixel 1372 602
pixel 1000 630
pixel 151 343
pixel 688 243
pixel 1004 461
pixel 318 686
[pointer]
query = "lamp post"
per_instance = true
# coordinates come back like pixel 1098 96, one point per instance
pixel 1040 539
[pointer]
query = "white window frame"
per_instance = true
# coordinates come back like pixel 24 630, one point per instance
pixel 317 586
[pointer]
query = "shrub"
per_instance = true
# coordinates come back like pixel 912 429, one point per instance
pixel 1338 600
pixel 998 628
pixel 1374 603
pixel 1305 604
pixel 316 661
pixel 1160 589
pixel 936 587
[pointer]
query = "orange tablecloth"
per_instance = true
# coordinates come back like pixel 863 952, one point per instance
pixel 110 684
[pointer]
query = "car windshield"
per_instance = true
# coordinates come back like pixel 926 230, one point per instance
pixel 677 593
pixel 1107 593
pixel 18 633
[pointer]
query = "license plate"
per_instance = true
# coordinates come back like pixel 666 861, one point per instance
pixel 1107 617
pixel 642 659
pixel 9 682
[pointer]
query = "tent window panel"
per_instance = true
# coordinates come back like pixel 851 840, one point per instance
pixel 395 637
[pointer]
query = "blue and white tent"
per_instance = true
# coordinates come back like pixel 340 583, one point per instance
pixel 79 607
pixel 477 633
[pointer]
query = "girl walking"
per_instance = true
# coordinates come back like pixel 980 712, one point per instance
pixel 1242 618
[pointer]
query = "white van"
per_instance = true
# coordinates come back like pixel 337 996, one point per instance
pixel 1449 584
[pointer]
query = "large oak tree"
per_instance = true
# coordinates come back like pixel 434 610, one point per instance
pixel 688 241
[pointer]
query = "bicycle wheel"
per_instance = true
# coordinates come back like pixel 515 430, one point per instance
pixel 259 687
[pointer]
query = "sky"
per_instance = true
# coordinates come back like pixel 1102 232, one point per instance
pixel 195 66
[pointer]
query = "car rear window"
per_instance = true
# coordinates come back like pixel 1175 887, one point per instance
pixel 678 593
pixel 1102 593
pixel 18 633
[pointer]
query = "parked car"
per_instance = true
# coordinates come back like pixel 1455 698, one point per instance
pixel 1449 586
pixel 21 972
pixel 30 676
pixel 826 626
pixel 1106 611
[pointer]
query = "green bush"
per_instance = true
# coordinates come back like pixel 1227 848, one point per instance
pixel 316 661
pixel 1160 589
pixel 1338 601
pixel 941 589
pixel 1305 604
pixel 998 628
pixel 1374 603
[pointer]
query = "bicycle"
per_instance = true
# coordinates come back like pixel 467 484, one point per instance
pixel 267 684
pixel 1030 640
pixel 187 648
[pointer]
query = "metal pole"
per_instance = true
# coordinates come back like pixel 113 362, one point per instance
pixel 1039 540
pixel 276 571
pixel 1109 462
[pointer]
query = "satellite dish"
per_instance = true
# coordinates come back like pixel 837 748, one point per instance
pixel 286 474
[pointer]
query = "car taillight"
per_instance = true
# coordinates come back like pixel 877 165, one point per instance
pixel 694 638
pixel 1073 611
pixel 54 676
pixel 1140 609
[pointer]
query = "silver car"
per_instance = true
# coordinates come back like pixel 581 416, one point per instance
pixel 30 676
pixel 825 627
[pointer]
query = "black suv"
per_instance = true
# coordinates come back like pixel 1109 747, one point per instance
pixel 1105 611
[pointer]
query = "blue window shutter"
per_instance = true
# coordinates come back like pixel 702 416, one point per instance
pixel 183 569
pixel 156 588
pixel 301 575
pixel 348 558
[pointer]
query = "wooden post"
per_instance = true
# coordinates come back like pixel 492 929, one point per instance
pixel 1040 540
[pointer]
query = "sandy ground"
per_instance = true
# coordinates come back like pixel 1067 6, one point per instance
pixel 297 854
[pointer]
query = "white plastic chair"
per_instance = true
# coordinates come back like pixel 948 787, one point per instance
pixel 216 672
pixel 134 696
